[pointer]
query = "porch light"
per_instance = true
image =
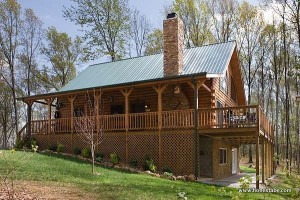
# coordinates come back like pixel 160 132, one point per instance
pixel 147 109
pixel 177 89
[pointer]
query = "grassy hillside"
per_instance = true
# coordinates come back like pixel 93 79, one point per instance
pixel 111 183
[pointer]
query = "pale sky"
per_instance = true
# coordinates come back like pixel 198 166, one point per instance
pixel 50 12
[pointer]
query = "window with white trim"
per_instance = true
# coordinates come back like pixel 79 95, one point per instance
pixel 224 84
pixel 223 156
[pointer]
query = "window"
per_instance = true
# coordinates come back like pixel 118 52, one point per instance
pixel 223 156
pixel 233 90
pixel 223 83
pixel 116 109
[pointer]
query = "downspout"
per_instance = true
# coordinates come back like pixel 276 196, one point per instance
pixel 196 126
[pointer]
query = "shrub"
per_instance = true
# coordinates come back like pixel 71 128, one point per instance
pixel 34 145
pixel 114 158
pixel 167 169
pixel 77 151
pixel 133 163
pixel 99 157
pixel 149 164
pixel 168 174
pixel 19 144
pixel 60 148
pixel 86 153
pixel 53 147
pixel 245 182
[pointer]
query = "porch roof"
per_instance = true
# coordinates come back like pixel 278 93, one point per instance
pixel 210 59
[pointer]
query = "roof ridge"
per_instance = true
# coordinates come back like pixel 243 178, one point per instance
pixel 205 45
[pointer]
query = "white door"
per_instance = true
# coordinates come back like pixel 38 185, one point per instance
pixel 234 160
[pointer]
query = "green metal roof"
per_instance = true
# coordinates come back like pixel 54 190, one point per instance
pixel 210 59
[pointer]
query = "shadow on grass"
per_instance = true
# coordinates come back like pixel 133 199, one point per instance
pixel 82 161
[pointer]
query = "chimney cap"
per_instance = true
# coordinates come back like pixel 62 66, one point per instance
pixel 171 15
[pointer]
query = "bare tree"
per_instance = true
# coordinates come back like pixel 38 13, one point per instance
pixel 88 126
pixel 10 24
pixel 140 29
pixel 31 38
pixel 223 17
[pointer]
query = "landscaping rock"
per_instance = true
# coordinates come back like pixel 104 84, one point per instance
pixel 117 167
pixel 190 177
pixel 132 169
pixel 182 178
pixel 156 175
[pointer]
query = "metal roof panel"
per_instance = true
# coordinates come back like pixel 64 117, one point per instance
pixel 212 59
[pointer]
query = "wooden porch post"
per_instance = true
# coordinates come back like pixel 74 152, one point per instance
pixel 273 170
pixel 71 100
pixel 159 90
pixel 29 113
pixel 49 103
pixel 196 84
pixel 270 159
pixel 263 160
pixel 126 92
pixel 257 161
pixel 97 97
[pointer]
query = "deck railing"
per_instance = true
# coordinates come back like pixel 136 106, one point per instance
pixel 112 122
pixel 178 119
pixel 146 120
pixel 227 117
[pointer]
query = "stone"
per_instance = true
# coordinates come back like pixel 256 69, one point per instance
pixel 182 178
pixel 173 46
pixel 191 177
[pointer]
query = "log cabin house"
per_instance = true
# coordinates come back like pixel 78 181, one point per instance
pixel 186 108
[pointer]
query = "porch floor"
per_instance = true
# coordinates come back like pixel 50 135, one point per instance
pixel 232 181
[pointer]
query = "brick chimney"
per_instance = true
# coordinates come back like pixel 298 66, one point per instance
pixel 173 45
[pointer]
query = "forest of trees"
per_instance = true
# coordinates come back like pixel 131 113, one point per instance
pixel 36 59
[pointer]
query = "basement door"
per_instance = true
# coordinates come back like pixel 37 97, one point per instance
pixel 234 160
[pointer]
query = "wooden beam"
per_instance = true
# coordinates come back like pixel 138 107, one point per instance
pixel 71 100
pixel 49 103
pixel 159 89
pixel 29 113
pixel 41 102
pixel 263 160
pixel 126 92
pixel 97 97
pixel 113 88
pixel 200 83
pixel 257 161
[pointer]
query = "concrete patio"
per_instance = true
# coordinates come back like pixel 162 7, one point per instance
pixel 231 181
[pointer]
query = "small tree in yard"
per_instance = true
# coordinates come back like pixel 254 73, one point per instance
pixel 10 163
pixel 87 124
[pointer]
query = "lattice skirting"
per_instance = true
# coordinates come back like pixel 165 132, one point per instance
pixel 173 149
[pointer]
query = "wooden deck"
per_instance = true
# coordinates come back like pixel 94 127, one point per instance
pixel 229 122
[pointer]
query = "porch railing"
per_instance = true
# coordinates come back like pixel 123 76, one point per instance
pixel 146 120
pixel 208 118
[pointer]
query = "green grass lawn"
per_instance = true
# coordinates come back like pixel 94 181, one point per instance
pixel 114 184
pixel 246 169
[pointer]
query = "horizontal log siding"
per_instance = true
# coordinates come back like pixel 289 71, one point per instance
pixel 224 98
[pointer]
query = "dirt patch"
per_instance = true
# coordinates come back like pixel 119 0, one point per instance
pixel 46 190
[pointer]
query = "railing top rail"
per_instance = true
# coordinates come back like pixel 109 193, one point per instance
pixel 226 108
pixel 117 115
pixel 144 113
